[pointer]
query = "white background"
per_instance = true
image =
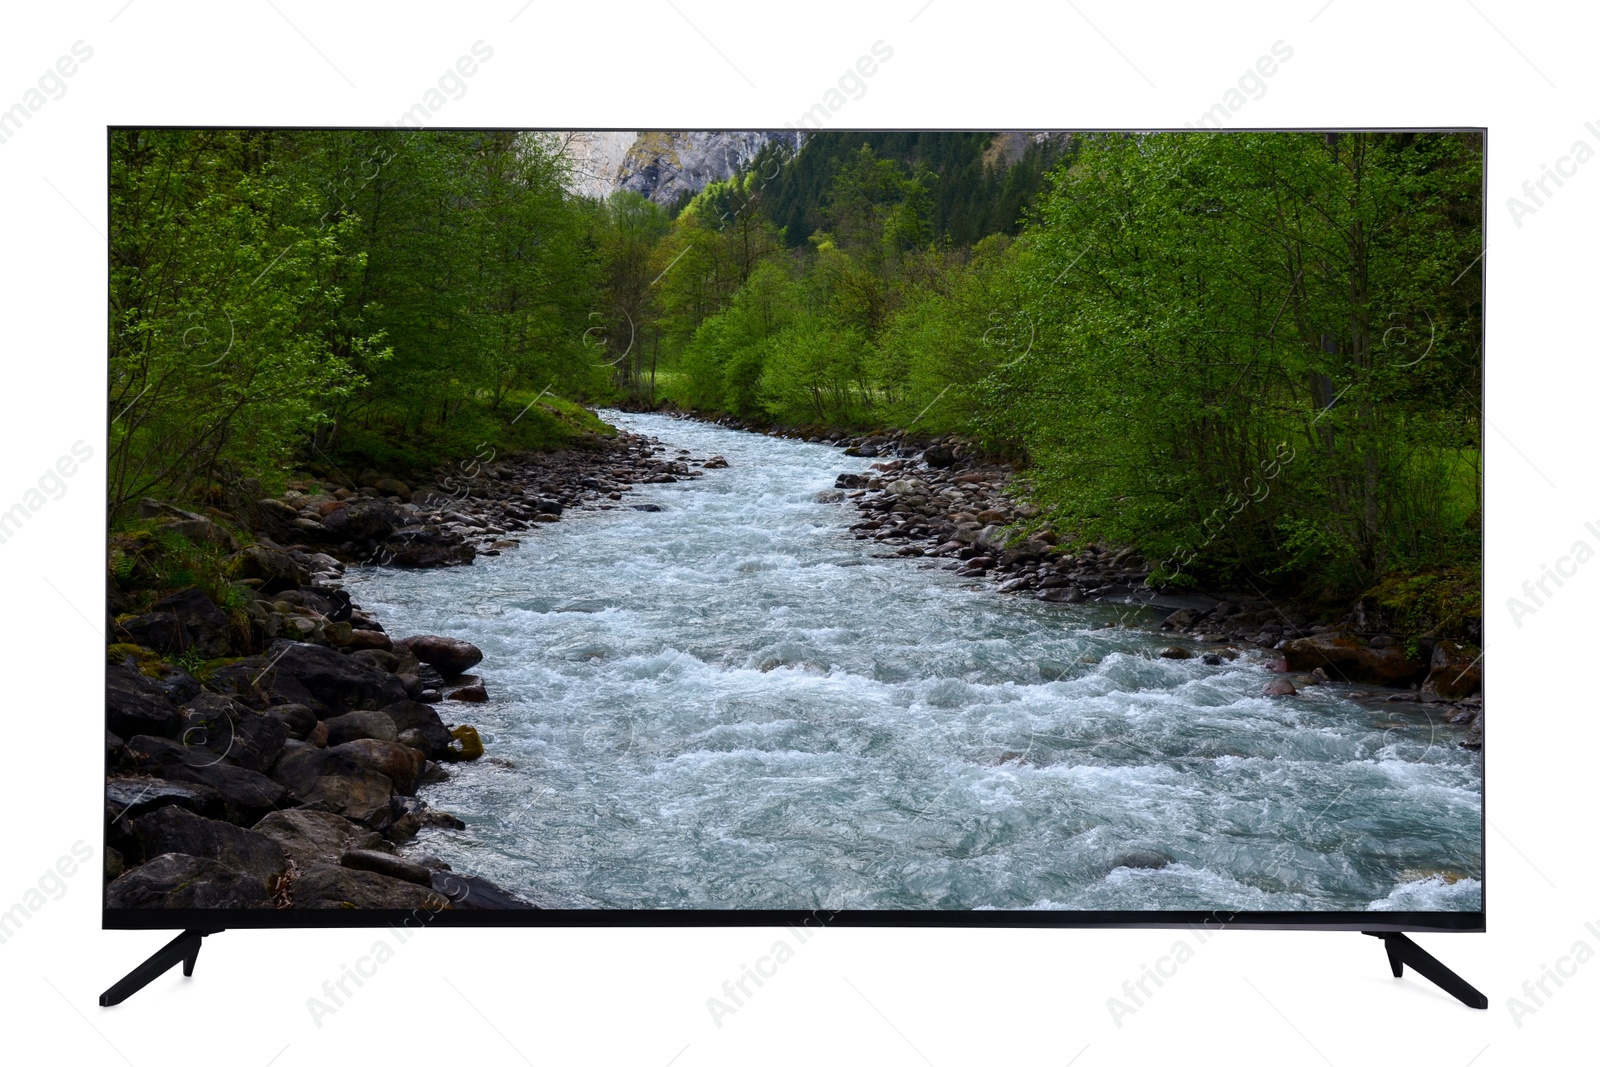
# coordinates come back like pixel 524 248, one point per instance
pixel 1526 71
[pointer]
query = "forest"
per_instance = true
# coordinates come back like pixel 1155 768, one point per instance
pixel 1254 357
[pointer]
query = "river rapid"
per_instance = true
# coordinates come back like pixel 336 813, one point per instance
pixel 733 703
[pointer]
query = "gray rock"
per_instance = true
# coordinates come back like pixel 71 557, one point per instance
pixel 449 655
pixel 325 681
pixel 224 727
pixel 177 830
pixel 317 838
pixel 205 626
pixel 136 704
pixel 131 796
pixel 180 881
pixel 358 724
pixel 470 893
pixel 386 863
pixel 413 716
pixel 246 795
pixel 274 568
pixel 343 887
pixel 298 720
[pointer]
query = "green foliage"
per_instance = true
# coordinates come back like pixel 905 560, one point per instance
pixel 1441 601
pixel 1253 356
pixel 1216 296
pixel 148 561
pixel 524 422
pixel 273 291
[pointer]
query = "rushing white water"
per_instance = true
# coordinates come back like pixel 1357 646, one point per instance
pixel 732 703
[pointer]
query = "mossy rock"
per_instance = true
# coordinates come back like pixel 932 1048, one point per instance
pixel 204 671
pixel 144 660
pixel 467 745
pixel 1438 602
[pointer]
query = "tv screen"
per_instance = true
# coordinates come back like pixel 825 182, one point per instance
pixel 1023 527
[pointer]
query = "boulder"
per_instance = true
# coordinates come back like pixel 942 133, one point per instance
pixel 466 744
pixel 1280 687
pixel 387 863
pixel 400 764
pixel 248 738
pixel 1347 658
pixel 409 715
pixel 155 630
pixel 1142 859
pixel 428 547
pixel 246 795
pixel 382 659
pixel 474 694
pixel 468 892
pixel 1174 652
pixel 202 531
pixel 368 520
pixel 449 655
pixel 1454 672
pixel 343 887
pixel 330 779
pixel 325 681
pixel 939 456
pixel 276 518
pixel 316 838
pixel 298 720
pixel 371 640
pixel 191 882
pixel 359 724
pixel 1027 552
pixel 274 568
pixel 136 704
pixel 360 795
pixel 205 626
pixel 175 829
pixel 130 796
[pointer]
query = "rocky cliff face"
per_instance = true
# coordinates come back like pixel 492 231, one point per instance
pixel 662 165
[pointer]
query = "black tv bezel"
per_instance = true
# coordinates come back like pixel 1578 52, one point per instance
pixel 420 918
pixel 664 918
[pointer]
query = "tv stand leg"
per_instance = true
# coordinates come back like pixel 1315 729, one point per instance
pixel 1402 950
pixel 184 948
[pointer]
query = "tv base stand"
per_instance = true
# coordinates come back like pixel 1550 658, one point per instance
pixel 185 948
pixel 1402 950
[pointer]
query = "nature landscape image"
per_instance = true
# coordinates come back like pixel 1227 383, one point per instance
pixel 1076 521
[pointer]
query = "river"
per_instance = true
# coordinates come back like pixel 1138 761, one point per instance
pixel 732 703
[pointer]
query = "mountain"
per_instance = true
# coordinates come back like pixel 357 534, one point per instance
pixel 662 165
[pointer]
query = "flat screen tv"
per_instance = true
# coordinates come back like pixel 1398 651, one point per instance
pixel 899 528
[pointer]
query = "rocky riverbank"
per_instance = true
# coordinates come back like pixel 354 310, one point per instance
pixel 267 740
pixel 938 501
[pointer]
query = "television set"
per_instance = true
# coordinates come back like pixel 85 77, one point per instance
pixel 1054 528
